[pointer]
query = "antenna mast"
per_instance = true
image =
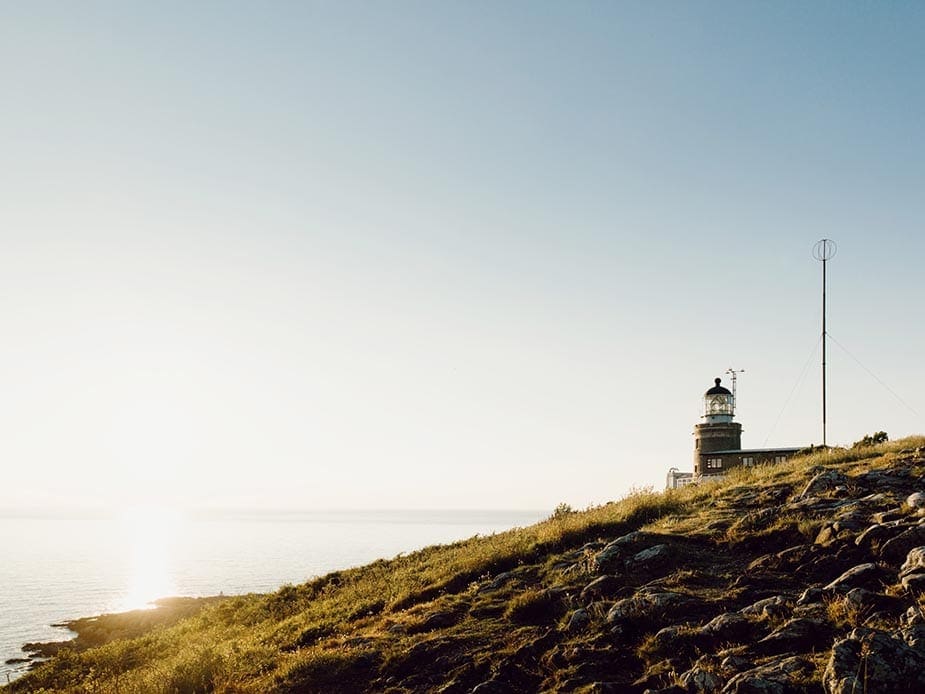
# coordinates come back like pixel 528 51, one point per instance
pixel 734 373
pixel 824 250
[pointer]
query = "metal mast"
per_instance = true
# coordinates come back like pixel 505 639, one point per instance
pixel 824 250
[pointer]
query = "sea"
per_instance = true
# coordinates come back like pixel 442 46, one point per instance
pixel 54 569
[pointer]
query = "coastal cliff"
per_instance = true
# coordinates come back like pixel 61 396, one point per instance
pixel 800 577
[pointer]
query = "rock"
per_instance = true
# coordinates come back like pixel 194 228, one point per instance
pixel 729 626
pixel 860 576
pixel 915 562
pixel 850 521
pixel 868 601
pixel 824 481
pixel 810 503
pixel 612 557
pixel 816 610
pixel 912 572
pixel 633 539
pixel 601 587
pixel 609 560
pixel 896 549
pixel 699 680
pixel 914 583
pixel 860 597
pixel 913 616
pixel 873 658
pixel 889 516
pixel 876 535
pixel 650 559
pixel 916 500
pixel 827 535
pixel 914 637
pixel 775 606
pixel 758 519
pixel 492 687
pixel 439 620
pixel 782 676
pixel 607 688
pixel 736 663
pixel 883 479
pixel 500 580
pixel 811 595
pixel 646 605
pixel 793 556
pixel 670 641
pixel 579 620
pixel 796 635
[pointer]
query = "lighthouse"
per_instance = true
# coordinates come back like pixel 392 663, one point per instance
pixel 717 433
pixel 718 442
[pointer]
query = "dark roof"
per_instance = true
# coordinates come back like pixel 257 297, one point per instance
pixel 754 450
pixel 718 389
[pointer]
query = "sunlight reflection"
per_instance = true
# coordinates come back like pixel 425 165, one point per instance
pixel 149 534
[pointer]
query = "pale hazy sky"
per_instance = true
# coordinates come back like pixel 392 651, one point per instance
pixel 430 254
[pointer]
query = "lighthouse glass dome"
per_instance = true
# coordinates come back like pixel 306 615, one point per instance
pixel 718 403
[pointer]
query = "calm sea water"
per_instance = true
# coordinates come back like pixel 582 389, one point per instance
pixel 55 569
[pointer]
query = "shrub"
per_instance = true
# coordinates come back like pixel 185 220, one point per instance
pixel 561 511
pixel 874 439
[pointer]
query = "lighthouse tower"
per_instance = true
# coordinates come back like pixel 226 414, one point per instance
pixel 718 433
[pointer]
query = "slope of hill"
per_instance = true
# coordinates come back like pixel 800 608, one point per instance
pixel 802 577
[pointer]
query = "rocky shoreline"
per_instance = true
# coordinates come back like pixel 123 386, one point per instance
pixel 91 632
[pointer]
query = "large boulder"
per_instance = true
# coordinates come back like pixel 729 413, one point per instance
pixel 916 500
pixel 650 560
pixel 873 661
pixel 610 559
pixel 824 481
pixel 877 535
pixel 861 576
pixel 780 676
pixel 647 605
pixel 578 621
pixel 896 549
pixel 601 587
pixel 915 562
pixel 796 635
pixel 697 679
pixel 729 626
pixel 775 606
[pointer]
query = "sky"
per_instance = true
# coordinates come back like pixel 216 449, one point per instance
pixel 445 254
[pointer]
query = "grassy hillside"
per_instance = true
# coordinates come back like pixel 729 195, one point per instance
pixel 560 606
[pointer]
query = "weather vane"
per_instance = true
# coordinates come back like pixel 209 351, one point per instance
pixel 734 373
pixel 824 250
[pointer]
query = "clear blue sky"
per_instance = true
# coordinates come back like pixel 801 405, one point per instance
pixel 429 254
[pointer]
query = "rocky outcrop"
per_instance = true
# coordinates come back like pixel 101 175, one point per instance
pixel 796 580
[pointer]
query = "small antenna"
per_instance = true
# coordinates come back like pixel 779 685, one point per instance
pixel 734 373
pixel 824 250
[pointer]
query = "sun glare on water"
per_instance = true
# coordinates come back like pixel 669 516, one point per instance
pixel 149 534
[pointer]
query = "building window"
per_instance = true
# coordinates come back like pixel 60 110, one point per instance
pixel 779 458
pixel 714 463
pixel 748 461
